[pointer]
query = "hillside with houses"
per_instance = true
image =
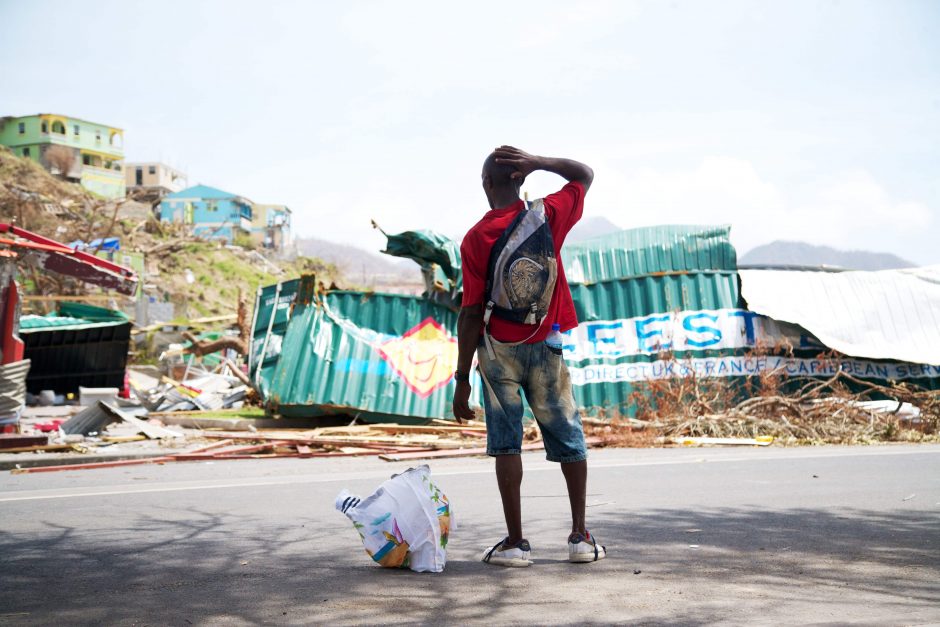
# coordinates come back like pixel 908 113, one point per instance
pixel 196 248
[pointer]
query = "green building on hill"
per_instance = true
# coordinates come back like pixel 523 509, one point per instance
pixel 83 152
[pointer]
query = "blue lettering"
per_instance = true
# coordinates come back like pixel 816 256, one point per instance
pixel 748 324
pixel 599 341
pixel 569 345
pixel 688 325
pixel 644 337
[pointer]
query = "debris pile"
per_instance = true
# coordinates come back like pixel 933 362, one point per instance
pixel 205 392
pixel 842 409
pixel 148 440
pixel 391 442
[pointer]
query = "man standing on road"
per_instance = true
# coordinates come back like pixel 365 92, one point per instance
pixel 514 355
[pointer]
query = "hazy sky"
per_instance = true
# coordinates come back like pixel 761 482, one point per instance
pixel 817 121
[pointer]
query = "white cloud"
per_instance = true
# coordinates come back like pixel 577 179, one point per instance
pixel 850 210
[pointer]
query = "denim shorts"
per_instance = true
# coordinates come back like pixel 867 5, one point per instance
pixel 542 375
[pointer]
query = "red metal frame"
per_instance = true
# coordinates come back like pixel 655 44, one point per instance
pixel 58 257
pixel 62 248
pixel 11 346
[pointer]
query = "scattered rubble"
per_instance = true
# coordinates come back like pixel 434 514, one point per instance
pixel 105 426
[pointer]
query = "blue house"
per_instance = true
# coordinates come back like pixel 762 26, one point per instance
pixel 213 213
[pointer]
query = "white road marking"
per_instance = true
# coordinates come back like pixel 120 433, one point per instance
pixel 186 486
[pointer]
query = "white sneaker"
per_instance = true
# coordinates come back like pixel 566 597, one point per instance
pixel 584 548
pixel 517 556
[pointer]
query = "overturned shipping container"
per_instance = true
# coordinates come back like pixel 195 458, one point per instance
pixel 653 303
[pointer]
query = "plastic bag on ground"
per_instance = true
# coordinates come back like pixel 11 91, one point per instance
pixel 405 523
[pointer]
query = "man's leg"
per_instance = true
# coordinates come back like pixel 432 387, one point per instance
pixel 509 478
pixel 548 390
pixel 576 478
pixel 502 401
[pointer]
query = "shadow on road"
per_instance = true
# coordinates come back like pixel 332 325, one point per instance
pixel 196 567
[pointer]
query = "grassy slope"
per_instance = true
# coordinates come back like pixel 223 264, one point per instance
pixel 220 272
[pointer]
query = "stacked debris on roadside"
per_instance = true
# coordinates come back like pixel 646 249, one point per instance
pixel 109 424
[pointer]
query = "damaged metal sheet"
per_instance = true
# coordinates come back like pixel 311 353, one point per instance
pixel 51 255
pixel 271 315
pixel 376 354
pixel 653 303
pixel 92 419
pixel 651 251
pixel 13 387
pixel 888 314
pixel 439 259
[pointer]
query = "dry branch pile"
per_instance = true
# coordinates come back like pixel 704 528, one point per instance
pixel 838 410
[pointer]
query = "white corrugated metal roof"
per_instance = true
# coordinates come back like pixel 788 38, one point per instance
pixel 889 314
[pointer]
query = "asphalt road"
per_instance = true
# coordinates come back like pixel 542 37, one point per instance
pixel 823 535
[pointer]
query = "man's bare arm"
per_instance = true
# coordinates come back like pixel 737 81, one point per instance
pixel 524 163
pixel 469 323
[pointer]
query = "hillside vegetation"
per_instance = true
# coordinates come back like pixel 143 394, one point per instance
pixel 32 198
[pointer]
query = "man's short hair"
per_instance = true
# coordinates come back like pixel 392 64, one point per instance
pixel 501 173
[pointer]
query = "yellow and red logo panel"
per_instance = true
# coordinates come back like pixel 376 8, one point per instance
pixel 425 356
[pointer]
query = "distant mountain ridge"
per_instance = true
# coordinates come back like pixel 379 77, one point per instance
pixel 592 226
pixel 358 264
pixel 790 253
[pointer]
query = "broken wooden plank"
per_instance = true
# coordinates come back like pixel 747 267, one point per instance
pixel 119 439
pixel 303 451
pixel 467 452
pixel 433 429
pixel 121 462
pixel 464 452
pixel 237 372
pixel 225 453
pixel 258 436
pixel 208 447
pixel 376 452
pixel 10 441
pixel 259 456
pixel 41 448
pixel 378 442
pixel 319 441
pixel 331 431
pixel 240 450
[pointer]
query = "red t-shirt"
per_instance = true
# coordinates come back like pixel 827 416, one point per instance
pixel 563 209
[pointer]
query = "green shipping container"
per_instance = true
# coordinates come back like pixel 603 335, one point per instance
pixel 638 294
